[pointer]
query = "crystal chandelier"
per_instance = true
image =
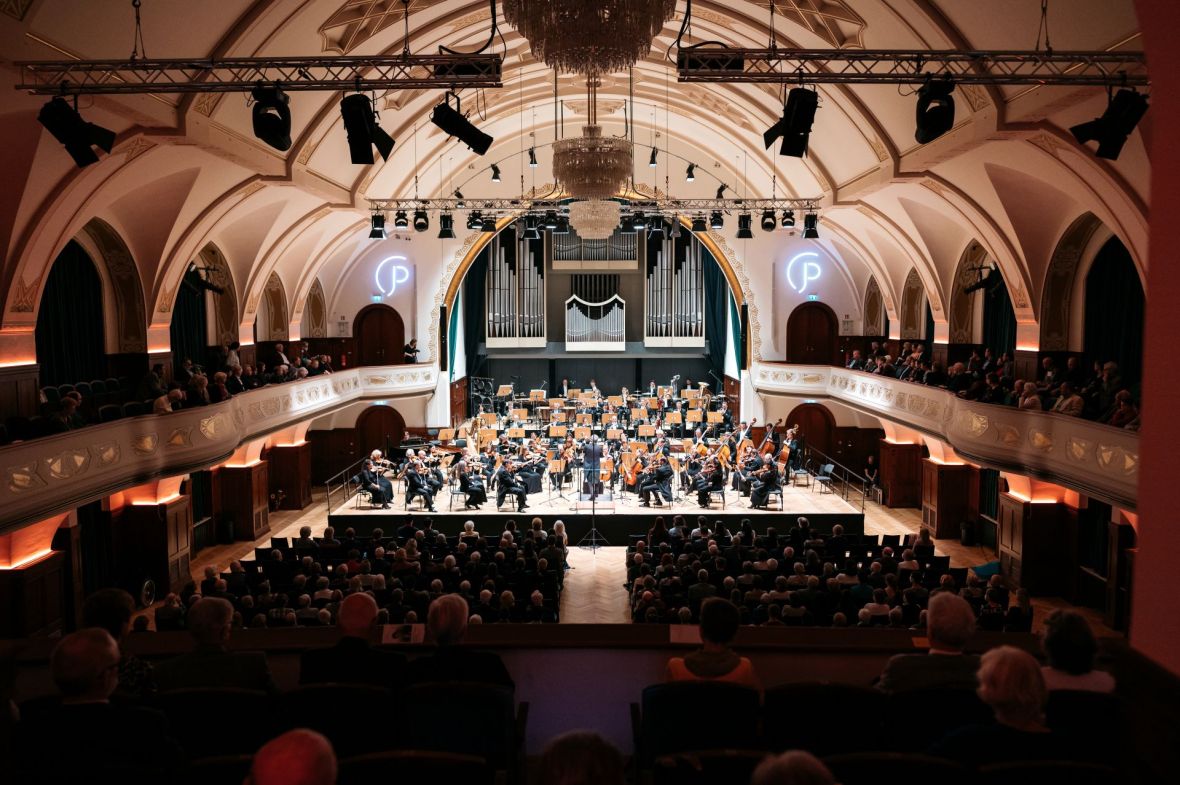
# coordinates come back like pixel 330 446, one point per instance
pixel 594 219
pixel 589 36
pixel 592 166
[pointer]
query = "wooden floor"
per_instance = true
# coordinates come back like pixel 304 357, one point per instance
pixel 594 592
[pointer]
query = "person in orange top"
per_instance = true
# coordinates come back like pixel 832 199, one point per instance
pixel 715 661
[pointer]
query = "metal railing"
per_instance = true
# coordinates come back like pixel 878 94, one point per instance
pixel 342 483
pixel 841 480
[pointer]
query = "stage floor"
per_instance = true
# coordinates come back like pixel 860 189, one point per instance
pixel 616 516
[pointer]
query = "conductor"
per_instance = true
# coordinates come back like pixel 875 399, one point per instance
pixel 591 459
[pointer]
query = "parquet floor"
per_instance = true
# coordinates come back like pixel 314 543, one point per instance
pixel 594 592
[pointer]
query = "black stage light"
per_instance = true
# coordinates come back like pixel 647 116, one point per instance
pixel 652 162
pixel 446 227
pixel 489 224
pixel 77 135
pixel 721 190
pixel 810 226
pixel 377 227
pixel 550 220
pixel 532 228
pixel 716 221
pixel 272 117
pixel 421 221
pixel 795 126
pixel 401 220
pixel 691 173
pixel 495 173
pixel 563 225
pixel 533 159
pixel 745 220
pixel 628 225
pixel 640 220
pixel 698 224
pixel 788 219
pixel 474 220
pixel 360 123
pixel 657 226
pixel 675 229
pixel 460 202
pixel 769 221
pixel 455 124
pixel 936 110
pixel 1111 130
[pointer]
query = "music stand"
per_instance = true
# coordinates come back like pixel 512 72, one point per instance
pixel 556 467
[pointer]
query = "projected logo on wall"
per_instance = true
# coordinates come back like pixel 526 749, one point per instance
pixel 390 275
pixel 802 270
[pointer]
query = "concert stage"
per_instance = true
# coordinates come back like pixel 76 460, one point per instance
pixel 616 519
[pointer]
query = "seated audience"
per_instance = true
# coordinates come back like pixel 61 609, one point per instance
pixel 298 757
pixel 211 664
pixel 111 610
pixel 1069 647
pixel 446 624
pixel 950 622
pixel 715 661
pixel 353 660
pixel 796 767
pixel 87 738
pixel 580 758
pixel 1010 682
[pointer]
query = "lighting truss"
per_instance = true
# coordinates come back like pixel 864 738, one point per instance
pixel 892 66
pixel 241 74
pixel 666 207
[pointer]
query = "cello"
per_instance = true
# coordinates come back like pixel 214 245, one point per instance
pixel 767 446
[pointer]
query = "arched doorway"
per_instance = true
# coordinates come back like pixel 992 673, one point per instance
pixel 379 428
pixel 812 335
pixel 380 336
pixel 69 334
pixel 817 426
pixel 1112 287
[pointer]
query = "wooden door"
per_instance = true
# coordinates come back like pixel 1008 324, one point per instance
pixel 380 336
pixel 379 428
pixel 812 335
pixel 816 424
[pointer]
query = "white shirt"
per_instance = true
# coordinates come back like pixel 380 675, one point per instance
pixel 1094 681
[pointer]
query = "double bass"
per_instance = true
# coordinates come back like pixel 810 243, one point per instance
pixel 767 446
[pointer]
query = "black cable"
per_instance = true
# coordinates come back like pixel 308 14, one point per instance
pixel 491 37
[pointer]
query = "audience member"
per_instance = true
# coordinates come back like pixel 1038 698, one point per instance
pixel 796 767
pixel 111 610
pixel 298 757
pixel 715 661
pixel 446 623
pixel 211 664
pixel 580 758
pixel 353 660
pixel 950 622
pixel 1069 647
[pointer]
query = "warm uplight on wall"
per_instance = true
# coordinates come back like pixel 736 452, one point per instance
pixel 891 441
pixel 159 349
pixel 941 462
pixel 155 502
pixel 1026 499
pixel 299 443
pixel 1027 347
pixel 16 363
pixel 254 462
pixel 27 560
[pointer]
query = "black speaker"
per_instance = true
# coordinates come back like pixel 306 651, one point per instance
pixel 744 348
pixel 444 355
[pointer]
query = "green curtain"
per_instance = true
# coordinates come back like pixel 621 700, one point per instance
pixel 999 320
pixel 735 320
pixel 69 334
pixel 716 295
pixel 452 330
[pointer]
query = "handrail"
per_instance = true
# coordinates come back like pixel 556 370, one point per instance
pixel 1094 459
pixel 344 476
pixel 843 478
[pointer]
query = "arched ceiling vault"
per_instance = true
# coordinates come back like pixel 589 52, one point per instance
pixel 862 163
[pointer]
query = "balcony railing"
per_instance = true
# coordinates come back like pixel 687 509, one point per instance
pixel 47 476
pixel 1093 459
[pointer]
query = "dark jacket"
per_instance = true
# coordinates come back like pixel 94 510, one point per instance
pixel 214 666
pixel 352 661
pixel 929 671
pixel 458 663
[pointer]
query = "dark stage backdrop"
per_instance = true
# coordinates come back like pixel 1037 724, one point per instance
pixel 1114 311
pixel 69 332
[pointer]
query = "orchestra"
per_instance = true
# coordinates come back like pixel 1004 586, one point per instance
pixel 639 442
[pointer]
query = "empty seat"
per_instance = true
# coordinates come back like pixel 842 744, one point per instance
pixel 133 409
pixel 1091 719
pixel 660 726
pixel 211 721
pixel 83 389
pixel 706 767
pixel 98 387
pixel 1041 772
pixel 919 718
pixel 415 766
pixel 114 385
pixel 824 718
pixel 19 428
pixel 874 768
pixel 109 413
pixel 356 718
pixel 51 396
pixel 472 719
pixel 221 770
pixel 62 389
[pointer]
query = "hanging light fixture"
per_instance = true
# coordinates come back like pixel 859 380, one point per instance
pixel 489 223
pixel 691 173
pixel 533 158
pixel 744 232
pixel 768 221
pixel 421 221
pixel 495 173
pixel 589 36
pixel 594 219
pixel 716 221
pixel 377 226
pixel 652 162
pixel 699 225
pixel 446 227
pixel 474 220
pixel 401 220
pixel 811 226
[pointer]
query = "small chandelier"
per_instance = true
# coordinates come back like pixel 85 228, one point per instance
pixel 589 36
pixel 594 219
pixel 592 166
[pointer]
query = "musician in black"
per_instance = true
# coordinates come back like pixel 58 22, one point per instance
pixel 506 483
pixel 370 480
pixel 743 477
pixel 658 481
pixel 726 416
pixel 710 479
pixel 652 390
pixel 765 480
pixel 417 485
pixel 472 486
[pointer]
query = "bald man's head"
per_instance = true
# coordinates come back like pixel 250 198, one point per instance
pixel 357 614
pixel 298 757
pixel 85 665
